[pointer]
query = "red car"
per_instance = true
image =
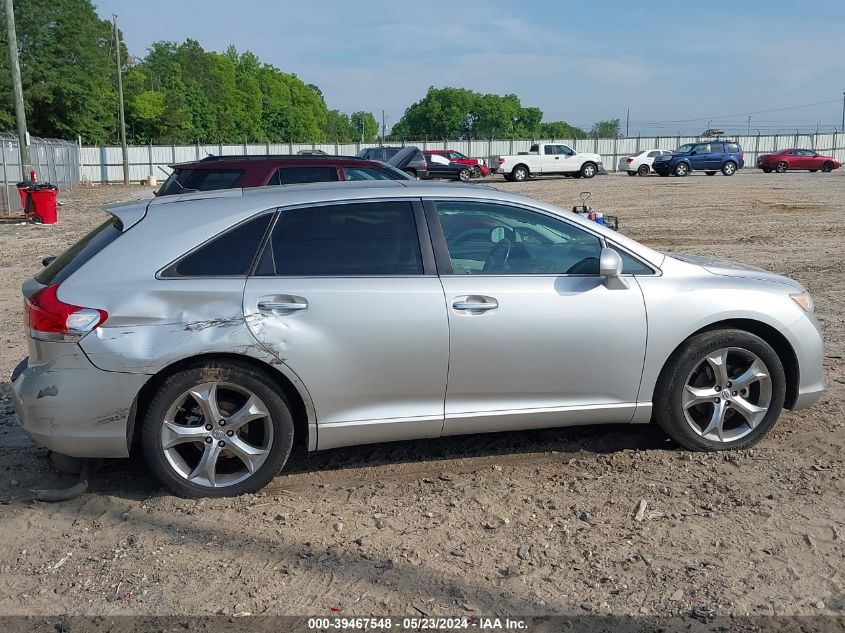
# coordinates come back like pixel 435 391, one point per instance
pixel 478 166
pixel 791 159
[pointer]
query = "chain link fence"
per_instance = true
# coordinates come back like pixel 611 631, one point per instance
pixel 54 161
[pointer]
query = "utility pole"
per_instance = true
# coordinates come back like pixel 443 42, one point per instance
pixel 628 122
pixel 120 99
pixel 383 127
pixel 20 114
pixel 843 113
pixel 749 125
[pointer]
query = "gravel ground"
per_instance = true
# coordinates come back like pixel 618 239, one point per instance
pixel 539 522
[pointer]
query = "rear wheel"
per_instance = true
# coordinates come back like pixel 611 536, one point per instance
pixel 217 430
pixel 729 168
pixel 781 167
pixel 721 390
pixel 681 169
pixel 588 170
pixel 464 175
pixel 476 171
pixel 632 173
pixel 520 173
pixel 827 167
pixel 710 173
pixel 643 170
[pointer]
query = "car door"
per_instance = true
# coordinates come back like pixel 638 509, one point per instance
pixel 550 159
pixel 346 295
pixel 699 156
pixel 536 339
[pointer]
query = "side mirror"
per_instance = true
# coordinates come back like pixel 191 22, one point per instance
pixel 610 267
pixel 47 261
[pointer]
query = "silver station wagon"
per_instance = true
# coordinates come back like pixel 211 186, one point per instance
pixel 216 329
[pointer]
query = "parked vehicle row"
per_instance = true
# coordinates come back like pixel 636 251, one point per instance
pixel 250 320
pixel 796 159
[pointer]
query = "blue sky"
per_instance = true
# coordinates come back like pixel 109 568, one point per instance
pixel 677 65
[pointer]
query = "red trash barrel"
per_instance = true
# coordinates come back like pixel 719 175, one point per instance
pixel 43 203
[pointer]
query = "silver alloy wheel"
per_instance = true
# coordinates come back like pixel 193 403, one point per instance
pixel 217 434
pixel 727 394
pixel 589 171
pixel 730 168
pixel 464 175
pixel 519 173
pixel 681 169
pixel 781 167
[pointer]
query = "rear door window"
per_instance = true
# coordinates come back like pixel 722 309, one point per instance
pixel 365 238
pixel 230 254
pixel 73 258
pixel 299 175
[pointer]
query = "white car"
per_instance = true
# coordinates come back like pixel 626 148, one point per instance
pixel 549 158
pixel 640 163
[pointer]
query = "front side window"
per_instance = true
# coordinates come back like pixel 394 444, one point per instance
pixel 362 238
pixel 685 149
pixel 457 156
pixel 230 254
pixel 702 148
pixel 497 239
pixel 298 175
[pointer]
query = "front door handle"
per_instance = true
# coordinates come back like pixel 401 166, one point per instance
pixel 269 306
pixel 481 306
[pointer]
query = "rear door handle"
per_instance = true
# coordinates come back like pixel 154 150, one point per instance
pixel 269 306
pixel 482 306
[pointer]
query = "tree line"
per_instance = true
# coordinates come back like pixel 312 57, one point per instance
pixel 182 93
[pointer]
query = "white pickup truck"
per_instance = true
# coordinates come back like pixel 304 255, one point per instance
pixel 549 158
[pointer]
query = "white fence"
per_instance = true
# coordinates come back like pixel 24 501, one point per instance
pixel 53 160
pixel 104 164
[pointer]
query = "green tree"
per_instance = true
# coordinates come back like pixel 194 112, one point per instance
pixel 606 129
pixel 368 122
pixel 67 70
pixel 560 130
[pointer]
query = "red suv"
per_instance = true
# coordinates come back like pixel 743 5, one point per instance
pixel 228 172
pixel 477 164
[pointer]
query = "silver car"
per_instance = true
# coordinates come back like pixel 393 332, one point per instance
pixel 217 329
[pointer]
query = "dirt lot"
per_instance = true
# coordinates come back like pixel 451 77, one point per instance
pixel 519 523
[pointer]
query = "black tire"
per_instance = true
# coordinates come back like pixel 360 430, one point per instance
pixel 729 168
pixel 577 174
pixel 781 167
pixel 668 411
pixel 234 373
pixel 643 170
pixel 520 173
pixel 464 175
pixel 475 171
pixel 411 172
pixel 36 219
pixel 681 169
pixel 710 173
pixel 827 167
pixel 813 171
pixel 767 170
pixel 588 170
pixel 632 173
pixel 508 177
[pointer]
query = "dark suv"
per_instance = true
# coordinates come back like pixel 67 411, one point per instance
pixel 412 160
pixel 706 156
pixel 226 172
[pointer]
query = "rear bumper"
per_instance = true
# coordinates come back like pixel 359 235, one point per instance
pixel 69 406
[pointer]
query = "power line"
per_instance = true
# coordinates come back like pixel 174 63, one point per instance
pixel 743 114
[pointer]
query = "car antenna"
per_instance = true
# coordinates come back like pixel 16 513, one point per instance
pixel 170 176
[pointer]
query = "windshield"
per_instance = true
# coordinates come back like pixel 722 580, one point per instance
pixel 685 149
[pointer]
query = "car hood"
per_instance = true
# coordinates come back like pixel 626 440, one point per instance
pixel 733 269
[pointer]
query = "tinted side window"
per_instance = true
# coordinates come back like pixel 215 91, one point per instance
pixel 632 266
pixel 210 179
pixel 366 238
pixel 228 254
pixel 365 173
pixel 293 175
pixel 497 239
pixel 654 154
pixel 733 148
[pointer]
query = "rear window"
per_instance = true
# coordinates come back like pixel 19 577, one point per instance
pixel 294 175
pixel 200 180
pixel 73 258
pixel 228 255
pixel 733 148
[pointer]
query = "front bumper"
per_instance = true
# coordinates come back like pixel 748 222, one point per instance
pixel 69 406
pixel 806 339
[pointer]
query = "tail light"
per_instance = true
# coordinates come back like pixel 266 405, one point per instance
pixel 629 160
pixel 49 318
pixel 501 160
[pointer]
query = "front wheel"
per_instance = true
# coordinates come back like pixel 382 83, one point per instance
pixel 476 171
pixel 217 430
pixel 681 169
pixel 721 390
pixel 781 167
pixel 588 170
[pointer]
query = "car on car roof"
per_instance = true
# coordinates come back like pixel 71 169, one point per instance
pixel 794 159
pixel 226 172
pixel 216 330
